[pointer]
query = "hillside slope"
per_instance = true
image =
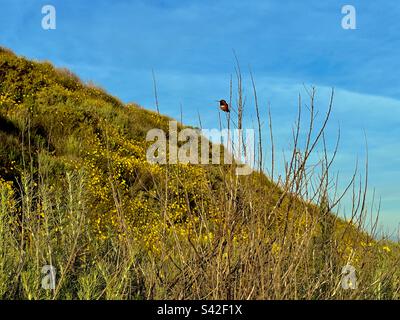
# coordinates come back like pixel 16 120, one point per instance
pixel 77 193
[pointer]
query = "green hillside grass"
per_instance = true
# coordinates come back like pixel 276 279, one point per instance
pixel 76 192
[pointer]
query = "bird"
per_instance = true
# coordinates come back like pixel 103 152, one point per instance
pixel 223 105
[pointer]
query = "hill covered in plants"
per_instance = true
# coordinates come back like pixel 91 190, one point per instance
pixel 77 193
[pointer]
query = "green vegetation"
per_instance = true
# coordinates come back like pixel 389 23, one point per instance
pixel 76 192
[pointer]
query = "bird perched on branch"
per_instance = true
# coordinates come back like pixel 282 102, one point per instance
pixel 223 106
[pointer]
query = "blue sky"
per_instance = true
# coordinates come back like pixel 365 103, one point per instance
pixel 189 44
